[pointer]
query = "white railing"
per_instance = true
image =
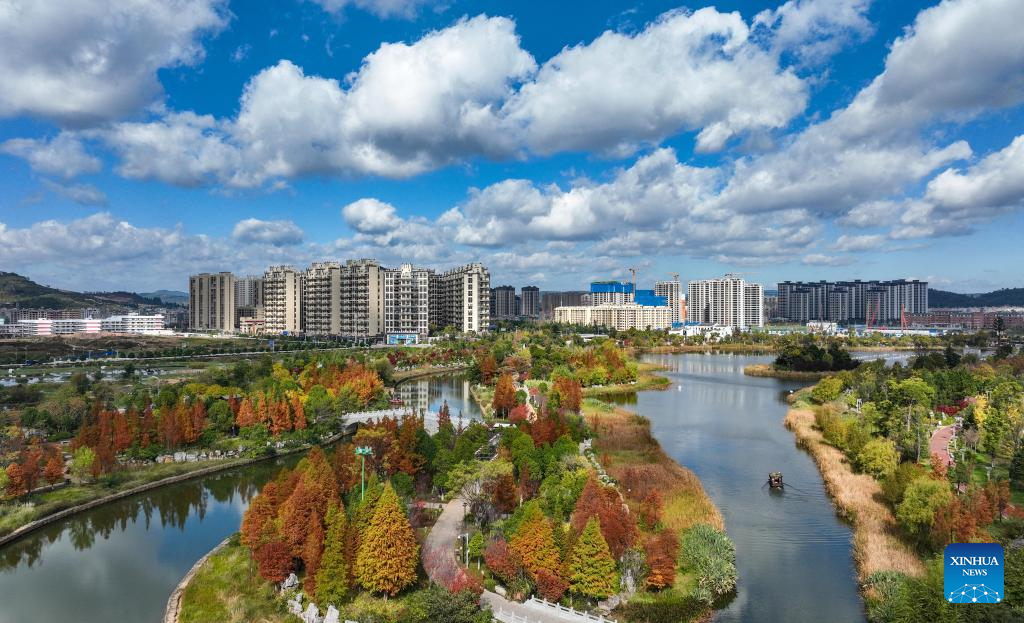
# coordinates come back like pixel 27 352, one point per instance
pixel 506 616
pixel 586 616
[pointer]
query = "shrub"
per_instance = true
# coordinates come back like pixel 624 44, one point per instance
pixel 896 483
pixel 827 389
pixel 712 555
pixel 879 458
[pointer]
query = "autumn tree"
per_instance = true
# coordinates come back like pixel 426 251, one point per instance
pixel 504 396
pixel 502 561
pixel 123 435
pixel 661 552
pixel 54 470
pixel 591 567
pixel 332 578
pixel 651 509
pixel 246 414
pixel 567 393
pixel 298 413
pixel 273 560
pixel 279 420
pixel 261 511
pixel 488 367
pixel 534 544
pixel 388 552
pixel 16 480
pixel 550 585
pixel 312 552
pixel 618 526
pixel 31 467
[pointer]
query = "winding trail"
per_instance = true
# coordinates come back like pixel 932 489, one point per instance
pixel 442 539
pixel 939 444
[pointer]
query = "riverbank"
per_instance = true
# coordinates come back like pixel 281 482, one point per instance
pixel 173 612
pixel 767 370
pixel 646 378
pixel 726 348
pixel 415 373
pixel 68 501
pixel 636 461
pixel 876 544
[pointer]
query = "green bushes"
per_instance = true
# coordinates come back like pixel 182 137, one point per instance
pixel 879 458
pixel 921 500
pixel 664 608
pixel 828 389
pixel 712 556
pixel 895 485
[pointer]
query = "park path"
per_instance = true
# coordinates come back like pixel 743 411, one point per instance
pixel 939 443
pixel 442 538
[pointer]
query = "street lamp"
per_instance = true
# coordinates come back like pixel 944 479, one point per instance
pixel 363 452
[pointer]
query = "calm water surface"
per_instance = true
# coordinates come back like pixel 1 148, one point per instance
pixel 120 562
pixel 792 553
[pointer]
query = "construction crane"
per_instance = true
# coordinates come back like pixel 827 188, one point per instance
pixel 632 272
pixel 675 276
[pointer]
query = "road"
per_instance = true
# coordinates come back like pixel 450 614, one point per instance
pixel 939 443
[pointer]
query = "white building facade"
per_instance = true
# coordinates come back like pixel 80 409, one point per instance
pixel 729 301
pixel 282 299
pixel 621 317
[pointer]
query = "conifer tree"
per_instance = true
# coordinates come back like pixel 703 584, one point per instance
pixel 246 414
pixel 388 552
pixel 54 471
pixel 298 413
pixel 15 480
pixel 534 542
pixel 591 569
pixel 312 552
pixel 332 579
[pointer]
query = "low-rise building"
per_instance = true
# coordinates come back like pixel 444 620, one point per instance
pixel 135 323
pixel 622 316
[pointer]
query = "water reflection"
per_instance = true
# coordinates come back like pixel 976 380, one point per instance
pixel 793 553
pixel 120 562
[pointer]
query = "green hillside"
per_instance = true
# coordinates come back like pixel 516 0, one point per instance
pixel 23 292
pixel 1007 296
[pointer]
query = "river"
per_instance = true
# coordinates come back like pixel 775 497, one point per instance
pixel 120 562
pixel 793 553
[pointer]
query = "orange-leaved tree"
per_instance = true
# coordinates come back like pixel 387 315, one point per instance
pixel 388 552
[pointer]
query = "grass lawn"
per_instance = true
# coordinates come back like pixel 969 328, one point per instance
pixel 227 591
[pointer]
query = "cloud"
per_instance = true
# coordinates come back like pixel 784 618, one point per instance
pixel 276 233
pixel 63 155
pixel 83 194
pixel 956 201
pixel 240 53
pixel 814 30
pixel 684 71
pixel 818 259
pixel 405 9
pixel 87 61
pixel 847 243
pixel 410 108
pixel 371 216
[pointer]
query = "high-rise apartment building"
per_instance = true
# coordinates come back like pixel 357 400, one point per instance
pixel 611 292
pixel 729 301
pixel 282 299
pixel 529 301
pixel 503 302
pixel 549 301
pixel 877 302
pixel 673 293
pixel 248 291
pixel 321 299
pixel 211 302
pixel 407 303
pixel 463 298
pixel 362 299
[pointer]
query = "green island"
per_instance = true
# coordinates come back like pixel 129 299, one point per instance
pixel 883 439
pixel 558 495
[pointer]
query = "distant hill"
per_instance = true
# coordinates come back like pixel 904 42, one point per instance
pixel 1008 296
pixel 23 292
pixel 169 297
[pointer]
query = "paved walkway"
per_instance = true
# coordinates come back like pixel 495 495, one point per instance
pixel 939 443
pixel 442 538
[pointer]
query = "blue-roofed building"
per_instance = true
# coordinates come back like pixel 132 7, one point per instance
pixel 611 292
pixel 648 298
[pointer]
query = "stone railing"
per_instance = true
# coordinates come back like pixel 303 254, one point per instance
pixel 566 610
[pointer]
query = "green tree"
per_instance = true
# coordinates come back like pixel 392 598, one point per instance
pixel 388 552
pixel 591 568
pixel 879 458
pixel 81 463
pixel 332 582
pixel 1017 469
pixel 476 547
pixel 220 416
pixel 436 604
pixel 921 501
pixel 827 389
pixel 3 482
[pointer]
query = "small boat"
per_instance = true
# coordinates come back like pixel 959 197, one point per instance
pixel 775 480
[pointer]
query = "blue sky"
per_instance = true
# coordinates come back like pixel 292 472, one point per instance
pixel 556 142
